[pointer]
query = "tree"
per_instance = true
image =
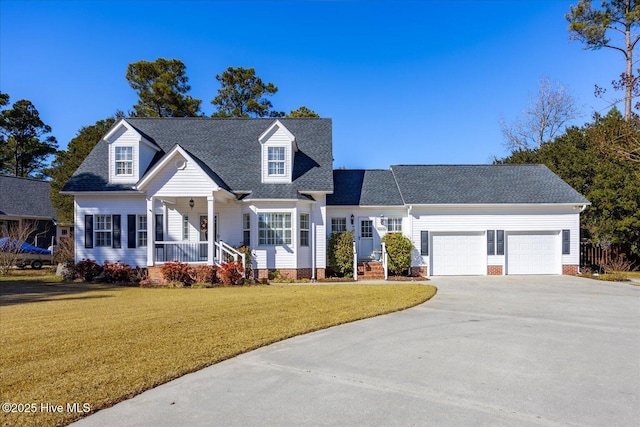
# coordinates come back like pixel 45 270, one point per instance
pixel 610 183
pixel 161 86
pixel 594 27
pixel 620 140
pixel 67 161
pixel 16 233
pixel 302 112
pixel 242 94
pixel 4 99
pixel 546 116
pixel 24 144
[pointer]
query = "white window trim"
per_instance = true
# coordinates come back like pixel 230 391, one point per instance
pixel 338 219
pixel 279 164
pixel 397 221
pixel 277 240
pixel 305 228
pixel 124 162
pixel 107 231
pixel 142 232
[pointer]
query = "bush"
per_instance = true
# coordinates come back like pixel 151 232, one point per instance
pixel 116 272
pixel 176 271
pixel 204 274
pixel 138 275
pixel 340 252
pixel 87 269
pixel 617 268
pixel 399 249
pixel 231 273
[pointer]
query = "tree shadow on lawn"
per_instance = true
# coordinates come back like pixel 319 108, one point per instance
pixel 18 292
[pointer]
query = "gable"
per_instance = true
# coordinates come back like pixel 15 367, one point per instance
pixel 129 153
pixel 278 148
pixel 176 171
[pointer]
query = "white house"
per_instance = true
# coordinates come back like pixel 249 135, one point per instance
pixel 157 190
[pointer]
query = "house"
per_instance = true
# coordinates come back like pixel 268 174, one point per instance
pixel 26 201
pixel 155 190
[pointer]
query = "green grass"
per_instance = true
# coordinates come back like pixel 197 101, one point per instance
pixel 100 344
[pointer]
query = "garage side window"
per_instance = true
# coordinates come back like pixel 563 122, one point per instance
pixel 566 242
pixel 495 242
pixel 424 243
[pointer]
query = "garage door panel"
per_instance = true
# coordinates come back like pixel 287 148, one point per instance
pixel 461 253
pixel 533 252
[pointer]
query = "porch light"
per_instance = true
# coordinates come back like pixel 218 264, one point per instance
pixel 352 219
pixel 191 203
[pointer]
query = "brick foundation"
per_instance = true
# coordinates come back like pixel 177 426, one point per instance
pixel 494 270
pixel 570 270
pixel 420 271
pixel 155 277
pixel 289 273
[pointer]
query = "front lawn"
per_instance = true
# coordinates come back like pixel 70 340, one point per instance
pixel 66 343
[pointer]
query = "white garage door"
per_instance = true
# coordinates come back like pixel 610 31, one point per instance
pixel 533 253
pixel 461 253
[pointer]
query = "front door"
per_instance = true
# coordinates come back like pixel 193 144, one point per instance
pixel 365 237
pixel 204 234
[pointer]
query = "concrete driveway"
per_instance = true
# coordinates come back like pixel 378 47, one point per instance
pixel 511 351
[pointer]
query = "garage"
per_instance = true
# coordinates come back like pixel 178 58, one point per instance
pixel 458 253
pixel 533 252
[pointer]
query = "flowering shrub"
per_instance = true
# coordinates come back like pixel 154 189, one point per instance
pixel 116 272
pixel 176 271
pixel 204 274
pixel 231 273
pixel 87 269
pixel 138 275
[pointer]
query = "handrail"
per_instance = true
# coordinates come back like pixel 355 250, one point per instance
pixel 355 262
pixel 385 261
pixel 228 249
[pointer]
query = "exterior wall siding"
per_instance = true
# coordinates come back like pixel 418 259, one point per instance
pixel 109 205
pixel 508 218
pixel 172 182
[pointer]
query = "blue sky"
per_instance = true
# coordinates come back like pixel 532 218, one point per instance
pixel 404 81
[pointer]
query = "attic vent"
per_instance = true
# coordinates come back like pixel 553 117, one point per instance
pixel 180 164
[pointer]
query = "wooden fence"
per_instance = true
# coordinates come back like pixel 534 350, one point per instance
pixel 594 257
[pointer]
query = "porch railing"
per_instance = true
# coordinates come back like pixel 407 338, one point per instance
pixel 196 252
pixel 191 252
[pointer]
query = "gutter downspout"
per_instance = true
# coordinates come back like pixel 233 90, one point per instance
pixel 313 253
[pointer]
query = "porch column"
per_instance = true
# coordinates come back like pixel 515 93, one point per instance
pixel 151 235
pixel 211 238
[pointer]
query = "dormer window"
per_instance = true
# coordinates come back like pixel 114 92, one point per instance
pixel 124 161
pixel 276 161
pixel 278 152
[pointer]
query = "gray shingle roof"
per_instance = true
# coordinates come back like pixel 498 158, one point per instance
pixel 25 197
pixel 229 148
pixel 364 188
pixel 482 184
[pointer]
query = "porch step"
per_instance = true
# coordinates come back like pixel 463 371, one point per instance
pixel 370 271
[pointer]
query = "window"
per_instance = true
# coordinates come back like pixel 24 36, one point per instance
pixel 142 230
pixel 394 225
pixel 338 225
pixel 304 229
pixel 424 243
pixel 124 160
pixel 274 229
pixel 495 242
pixel 566 242
pixel 276 161
pixel 103 230
pixel 246 229
pixel 185 227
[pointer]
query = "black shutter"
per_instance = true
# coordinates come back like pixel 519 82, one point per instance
pixel 159 228
pixel 117 232
pixel 566 242
pixel 491 242
pixel 131 231
pixel 88 231
pixel 424 243
pixel 500 242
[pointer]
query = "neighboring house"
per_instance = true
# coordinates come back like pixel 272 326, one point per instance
pixel 27 201
pixel 155 190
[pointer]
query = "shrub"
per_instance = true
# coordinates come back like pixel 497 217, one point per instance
pixel 399 249
pixel 176 271
pixel 116 272
pixel 204 274
pixel 340 252
pixel 87 269
pixel 617 268
pixel 248 259
pixel 231 273
pixel 138 275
